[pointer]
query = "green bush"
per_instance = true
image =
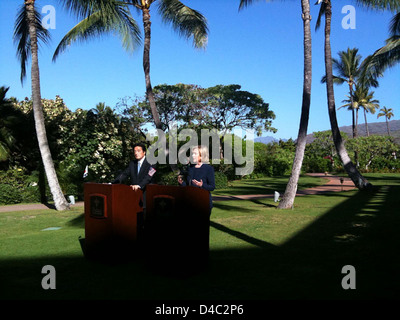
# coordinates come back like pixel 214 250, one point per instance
pixel 221 180
pixel 317 165
pixel 16 187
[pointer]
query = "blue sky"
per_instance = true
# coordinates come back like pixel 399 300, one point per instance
pixel 259 48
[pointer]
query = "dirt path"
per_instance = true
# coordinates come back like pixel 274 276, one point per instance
pixel 333 184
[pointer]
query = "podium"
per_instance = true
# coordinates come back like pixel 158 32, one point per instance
pixel 113 219
pixel 172 233
pixel 177 228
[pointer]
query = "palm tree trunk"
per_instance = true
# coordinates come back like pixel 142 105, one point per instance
pixel 146 67
pixel 149 89
pixel 359 181
pixel 352 111
pixel 387 126
pixel 353 118
pixel 58 197
pixel 291 187
pixel 366 124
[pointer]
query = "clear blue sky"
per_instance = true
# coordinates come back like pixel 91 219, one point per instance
pixel 259 48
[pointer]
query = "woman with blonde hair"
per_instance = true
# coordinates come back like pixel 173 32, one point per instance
pixel 200 173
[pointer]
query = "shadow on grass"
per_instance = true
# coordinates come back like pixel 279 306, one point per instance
pixel 362 231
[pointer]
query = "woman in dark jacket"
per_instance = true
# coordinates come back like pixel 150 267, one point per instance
pixel 200 174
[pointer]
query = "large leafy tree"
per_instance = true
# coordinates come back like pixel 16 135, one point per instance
pixel 229 107
pixel 188 22
pixel 28 32
pixel 326 11
pixel 291 187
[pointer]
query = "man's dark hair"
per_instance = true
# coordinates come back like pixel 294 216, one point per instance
pixel 139 144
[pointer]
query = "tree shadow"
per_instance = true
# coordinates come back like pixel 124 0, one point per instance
pixel 361 231
pixel 242 236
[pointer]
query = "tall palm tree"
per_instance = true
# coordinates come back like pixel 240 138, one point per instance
pixel 347 70
pixel 387 113
pixel 28 30
pixel 291 187
pixel 362 98
pixel 187 22
pixel 326 10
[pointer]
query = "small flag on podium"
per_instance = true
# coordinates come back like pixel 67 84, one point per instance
pixel 85 174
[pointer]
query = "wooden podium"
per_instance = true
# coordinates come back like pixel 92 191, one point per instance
pixel 112 219
pixel 172 232
pixel 177 228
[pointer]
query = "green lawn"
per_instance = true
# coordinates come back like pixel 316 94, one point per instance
pixel 256 252
pixel 266 185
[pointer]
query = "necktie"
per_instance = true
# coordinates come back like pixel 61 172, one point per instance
pixel 138 167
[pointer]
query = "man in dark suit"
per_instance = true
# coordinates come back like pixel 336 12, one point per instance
pixel 139 170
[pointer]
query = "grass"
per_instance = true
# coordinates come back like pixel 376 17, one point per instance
pixel 256 252
pixel 266 185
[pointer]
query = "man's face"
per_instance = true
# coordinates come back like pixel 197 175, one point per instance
pixel 139 153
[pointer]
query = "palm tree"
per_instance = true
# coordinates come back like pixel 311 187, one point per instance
pixel 326 10
pixel 347 70
pixel 362 98
pixel 28 30
pixel 388 55
pixel 350 69
pixel 291 187
pixel 387 113
pixel 187 22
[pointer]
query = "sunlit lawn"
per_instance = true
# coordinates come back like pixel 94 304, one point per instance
pixel 256 252
pixel 266 185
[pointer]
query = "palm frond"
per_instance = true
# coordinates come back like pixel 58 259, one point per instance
pixel 22 38
pixel 386 56
pixel 391 5
pixel 395 25
pixel 187 22
pixel 336 80
pixel 116 19
pixel 321 13
pixel 245 3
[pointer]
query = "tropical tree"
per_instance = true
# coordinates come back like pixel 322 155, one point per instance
pixel 291 187
pixel 347 70
pixel 326 10
pixel 6 136
pixel 27 33
pixel 388 55
pixel 362 98
pixel 187 22
pixel 387 113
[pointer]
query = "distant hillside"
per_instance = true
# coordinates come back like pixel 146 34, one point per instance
pixel 378 128
pixel 266 140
